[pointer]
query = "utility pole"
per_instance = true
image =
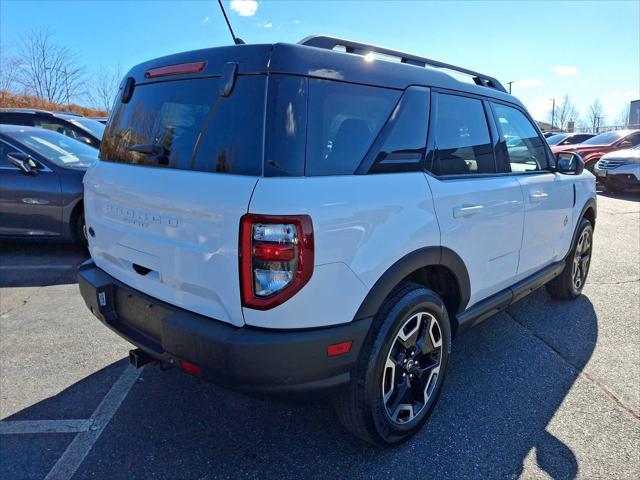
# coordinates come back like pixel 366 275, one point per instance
pixel 509 83
pixel 598 119
pixel 553 113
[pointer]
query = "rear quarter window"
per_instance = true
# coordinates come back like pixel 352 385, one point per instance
pixel 343 121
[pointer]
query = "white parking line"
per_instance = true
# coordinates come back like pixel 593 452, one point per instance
pixel 18 427
pixel 82 444
pixel 36 267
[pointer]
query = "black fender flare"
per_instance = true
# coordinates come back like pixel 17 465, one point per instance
pixel 424 257
pixel 590 203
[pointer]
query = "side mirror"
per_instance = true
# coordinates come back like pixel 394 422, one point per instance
pixel 84 139
pixel 569 163
pixel 24 162
pixel 625 144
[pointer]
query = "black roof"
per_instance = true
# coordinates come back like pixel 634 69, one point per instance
pixel 324 63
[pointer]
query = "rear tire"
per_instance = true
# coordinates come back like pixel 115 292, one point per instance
pixel 569 284
pixel 401 368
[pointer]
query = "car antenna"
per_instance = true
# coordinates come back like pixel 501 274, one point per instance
pixel 236 40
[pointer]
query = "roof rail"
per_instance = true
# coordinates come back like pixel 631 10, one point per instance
pixel 330 43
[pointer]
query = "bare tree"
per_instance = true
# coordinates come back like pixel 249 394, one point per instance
pixel 9 69
pixel 49 71
pixel 104 87
pixel 595 116
pixel 623 117
pixel 565 111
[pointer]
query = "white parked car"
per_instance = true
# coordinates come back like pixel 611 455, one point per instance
pixel 294 218
pixel 619 170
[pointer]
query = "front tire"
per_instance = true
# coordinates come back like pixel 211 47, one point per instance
pixel 569 284
pixel 401 368
pixel 79 231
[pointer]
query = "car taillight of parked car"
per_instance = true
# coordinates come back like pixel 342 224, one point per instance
pixel 276 258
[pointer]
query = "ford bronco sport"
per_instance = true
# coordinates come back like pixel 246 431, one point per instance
pixel 327 215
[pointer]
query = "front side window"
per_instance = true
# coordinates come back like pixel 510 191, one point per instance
pixel 463 143
pixel 343 121
pixel 525 148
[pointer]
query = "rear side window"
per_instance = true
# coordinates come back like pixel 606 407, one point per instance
pixel 463 144
pixel 525 148
pixel 185 125
pixel 343 121
pixel 402 142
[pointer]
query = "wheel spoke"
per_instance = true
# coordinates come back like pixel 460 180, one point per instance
pixel 399 404
pixel 411 370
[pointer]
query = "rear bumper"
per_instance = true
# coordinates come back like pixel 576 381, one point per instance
pixel 247 359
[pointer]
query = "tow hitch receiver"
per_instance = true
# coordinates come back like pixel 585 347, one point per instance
pixel 139 358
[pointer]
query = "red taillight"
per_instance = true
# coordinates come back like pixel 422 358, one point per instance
pixel 189 367
pixel 339 348
pixel 178 69
pixel 276 258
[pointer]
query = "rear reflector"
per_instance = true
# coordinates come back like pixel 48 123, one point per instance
pixel 339 349
pixel 189 367
pixel 178 69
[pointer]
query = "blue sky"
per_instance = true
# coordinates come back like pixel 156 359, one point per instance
pixel 585 49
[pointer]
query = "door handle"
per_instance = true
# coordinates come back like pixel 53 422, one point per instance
pixel 538 196
pixel 466 210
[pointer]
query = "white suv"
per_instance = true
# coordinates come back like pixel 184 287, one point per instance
pixel 293 218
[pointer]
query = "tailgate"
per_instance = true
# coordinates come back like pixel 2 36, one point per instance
pixel 178 164
pixel 173 235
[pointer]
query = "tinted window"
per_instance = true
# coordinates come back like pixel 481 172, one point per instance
pixel 94 127
pixel 16 118
pixel 403 140
pixel 462 137
pixel 57 126
pixel 525 148
pixel 556 139
pixel 343 121
pixel 580 138
pixel 605 138
pixel 634 139
pixel 286 136
pixel 163 122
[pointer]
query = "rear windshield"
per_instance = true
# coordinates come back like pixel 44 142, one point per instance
pixel 186 125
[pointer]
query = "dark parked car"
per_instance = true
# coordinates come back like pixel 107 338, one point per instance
pixel 41 177
pixel 70 124
pixel 550 134
pixel 569 138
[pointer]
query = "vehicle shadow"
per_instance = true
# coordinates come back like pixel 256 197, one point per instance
pixel 504 385
pixel 630 195
pixel 30 264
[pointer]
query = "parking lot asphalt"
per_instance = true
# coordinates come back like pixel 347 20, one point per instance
pixel 547 389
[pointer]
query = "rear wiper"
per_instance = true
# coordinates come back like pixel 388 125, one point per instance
pixel 156 152
pixel 148 149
